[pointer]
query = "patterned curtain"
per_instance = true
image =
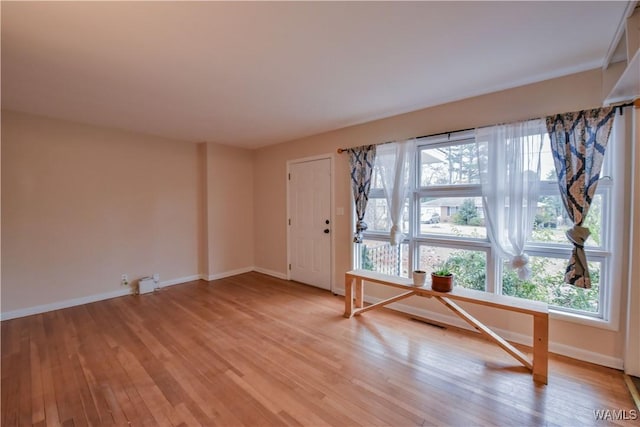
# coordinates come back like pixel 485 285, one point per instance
pixel 361 160
pixel 578 143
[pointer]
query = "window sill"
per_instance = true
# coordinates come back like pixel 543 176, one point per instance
pixel 582 320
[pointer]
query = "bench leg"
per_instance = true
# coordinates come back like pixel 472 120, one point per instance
pixel 540 348
pixel 348 296
pixel 359 293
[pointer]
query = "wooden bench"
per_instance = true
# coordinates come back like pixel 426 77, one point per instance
pixel 538 365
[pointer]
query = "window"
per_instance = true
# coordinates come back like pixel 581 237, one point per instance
pixel 444 222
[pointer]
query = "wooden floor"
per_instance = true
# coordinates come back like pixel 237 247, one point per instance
pixel 254 350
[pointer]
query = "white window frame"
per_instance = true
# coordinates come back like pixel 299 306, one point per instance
pixel 609 253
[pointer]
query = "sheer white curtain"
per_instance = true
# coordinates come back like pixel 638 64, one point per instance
pixel 396 162
pixel 509 163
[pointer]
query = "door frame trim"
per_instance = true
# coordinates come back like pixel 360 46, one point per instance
pixel 331 158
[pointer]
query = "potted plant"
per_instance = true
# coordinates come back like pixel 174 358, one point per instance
pixel 442 279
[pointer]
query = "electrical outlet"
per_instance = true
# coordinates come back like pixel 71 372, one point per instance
pixel 124 280
pixel 156 277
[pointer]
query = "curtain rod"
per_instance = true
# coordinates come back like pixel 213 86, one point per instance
pixel 342 150
pixel 618 107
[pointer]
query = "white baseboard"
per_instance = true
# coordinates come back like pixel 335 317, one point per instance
pixel 271 273
pixel 85 300
pixel 557 348
pixel 63 304
pixel 180 280
pixel 229 273
pixel 587 356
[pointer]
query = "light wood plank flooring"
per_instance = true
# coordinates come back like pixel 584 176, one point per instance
pixel 253 350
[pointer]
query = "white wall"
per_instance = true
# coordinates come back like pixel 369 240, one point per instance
pixel 632 350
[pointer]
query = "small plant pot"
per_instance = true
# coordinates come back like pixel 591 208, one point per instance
pixel 419 278
pixel 441 283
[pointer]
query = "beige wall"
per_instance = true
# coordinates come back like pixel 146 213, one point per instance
pixel 82 205
pixel 579 91
pixel 203 212
pixel 229 209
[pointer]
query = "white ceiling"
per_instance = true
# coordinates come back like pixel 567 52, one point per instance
pixel 253 74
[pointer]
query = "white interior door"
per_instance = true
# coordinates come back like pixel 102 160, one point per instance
pixel 310 222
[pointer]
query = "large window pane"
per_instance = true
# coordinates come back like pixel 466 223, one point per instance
pixel 547 165
pixel 449 165
pixel 376 179
pixel 547 284
pixel 453 216
pixel 450 213
pixel 378 219
pixel 468 267
pixel 380 256
pixel 551 221
pixel 377 215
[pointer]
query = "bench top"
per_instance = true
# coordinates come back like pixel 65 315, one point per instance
pixel 504 302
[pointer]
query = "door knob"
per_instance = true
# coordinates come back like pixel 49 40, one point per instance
pixel 326 231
